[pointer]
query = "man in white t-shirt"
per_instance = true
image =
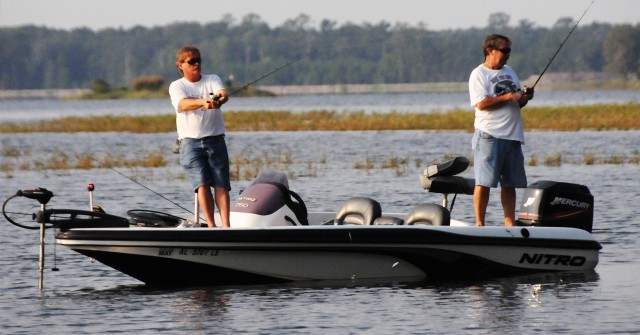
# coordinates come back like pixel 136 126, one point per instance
pixel 203 150
pixel 495 93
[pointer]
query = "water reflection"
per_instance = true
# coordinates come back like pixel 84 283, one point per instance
pixel 503 303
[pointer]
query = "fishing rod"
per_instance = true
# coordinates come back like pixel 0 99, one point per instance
pixel 249 83
pixel 135 181
pixel 557 51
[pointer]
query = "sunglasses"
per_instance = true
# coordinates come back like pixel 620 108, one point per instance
pixel 193 61
pixel 505 50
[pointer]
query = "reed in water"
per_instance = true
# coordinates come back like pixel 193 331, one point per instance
pixel 565 118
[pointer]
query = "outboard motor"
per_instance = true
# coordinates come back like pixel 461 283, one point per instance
pixel 268 202
pixel 556 204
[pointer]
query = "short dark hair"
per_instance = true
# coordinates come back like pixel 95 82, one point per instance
pixel 492 41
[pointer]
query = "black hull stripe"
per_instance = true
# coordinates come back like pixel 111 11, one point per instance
pixel 311 236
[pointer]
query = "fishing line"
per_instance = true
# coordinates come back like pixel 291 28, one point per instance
pixel 135 181
pixel 249 83
pixel 561 45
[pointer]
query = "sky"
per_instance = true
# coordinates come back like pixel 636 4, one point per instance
pixel 435 15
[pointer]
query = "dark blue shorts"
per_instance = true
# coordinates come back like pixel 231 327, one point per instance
pixel 206 161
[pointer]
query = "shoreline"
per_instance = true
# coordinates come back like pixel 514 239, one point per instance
pixel 283 90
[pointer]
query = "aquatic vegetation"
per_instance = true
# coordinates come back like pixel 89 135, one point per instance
pixel 59 160
pixel 247 165
pixel 553 159
pixel 565 118
pixel 367 164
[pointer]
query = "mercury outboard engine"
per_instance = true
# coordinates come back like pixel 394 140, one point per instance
pixel 268 201
pixel 556 204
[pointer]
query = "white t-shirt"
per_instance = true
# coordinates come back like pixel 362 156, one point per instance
pixel 506 121
pixel 197 123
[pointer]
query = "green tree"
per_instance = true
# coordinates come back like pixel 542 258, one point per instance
pixel 100 86
pixel 148 83
pixel 37 57
pixel 622 50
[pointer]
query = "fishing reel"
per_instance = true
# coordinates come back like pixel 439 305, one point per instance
pixel 215 100
pixel 528 91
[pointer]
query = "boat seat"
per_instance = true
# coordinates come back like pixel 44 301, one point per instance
pixel 441 178
pixel 448 184
pixel 359 211
pixel 388 220
pixel 429 214
pixel 449 168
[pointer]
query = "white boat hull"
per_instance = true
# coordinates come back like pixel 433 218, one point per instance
pixel 244 255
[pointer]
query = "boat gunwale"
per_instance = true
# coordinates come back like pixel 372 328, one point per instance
pixel 333 236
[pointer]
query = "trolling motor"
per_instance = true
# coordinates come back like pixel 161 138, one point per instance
pixel 63 219
pixel 42 195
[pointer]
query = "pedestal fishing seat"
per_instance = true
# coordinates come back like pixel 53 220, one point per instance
pixel 442 178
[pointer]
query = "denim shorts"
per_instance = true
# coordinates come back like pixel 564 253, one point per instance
pixel 206 161
pixel 498 161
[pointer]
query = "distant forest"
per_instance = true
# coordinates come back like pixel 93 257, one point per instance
pixel 35 57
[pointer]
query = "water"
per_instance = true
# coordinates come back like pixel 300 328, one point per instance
pixel 16 110
pixel 89 298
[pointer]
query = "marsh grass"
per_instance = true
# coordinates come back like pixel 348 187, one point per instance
pixel 556 159
pixel 16 159
pixel 566 118
pixel 245 166
pixel 367 164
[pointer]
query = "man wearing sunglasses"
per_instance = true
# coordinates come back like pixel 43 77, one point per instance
pixel 203 150
pixel 496 95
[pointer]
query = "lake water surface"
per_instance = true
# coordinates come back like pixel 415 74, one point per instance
pixel 90 298
pixel 13 110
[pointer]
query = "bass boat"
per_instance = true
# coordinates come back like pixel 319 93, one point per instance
pixel 273 238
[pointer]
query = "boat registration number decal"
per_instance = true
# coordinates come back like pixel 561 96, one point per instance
pixel 187 252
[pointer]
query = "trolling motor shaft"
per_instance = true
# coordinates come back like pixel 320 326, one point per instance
pixel 42 195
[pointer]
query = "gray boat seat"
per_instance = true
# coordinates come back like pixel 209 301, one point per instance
pixel 429 214
pixel 388 220
pixel 363 211
pixel 442 178
pixel 359 211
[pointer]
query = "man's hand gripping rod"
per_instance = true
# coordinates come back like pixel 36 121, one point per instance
pixel 529 90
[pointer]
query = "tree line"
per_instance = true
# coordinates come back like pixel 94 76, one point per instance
pixel 35 57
